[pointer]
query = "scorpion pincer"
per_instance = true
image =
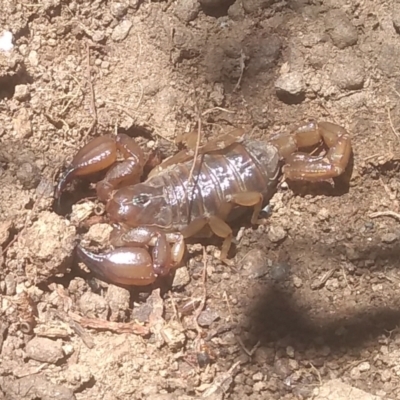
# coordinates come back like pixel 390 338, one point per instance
pixel 183 197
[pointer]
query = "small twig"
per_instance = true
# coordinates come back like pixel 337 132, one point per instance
pixel 211 110
pixel 391 124
pixel 317 372
pixel 252 350
pixel 242 67
pixel 92 96
pixel 200 308
pixel 76 327
pixel 385 214
pixel 323 280
pixel 225 296
pixel 117 327
pixel 196 151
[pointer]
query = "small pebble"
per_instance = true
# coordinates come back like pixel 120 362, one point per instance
pixel 297 282
pixel 290 87
pixel 28 175
pixel 348 72
pixel 181 278
pixel 5 228
pixel 386 375
pixel 22 124
pixel 281 368
pixel 207 317
pixel 33 58
pixel 118 10
pixel 279 272
pixel 93 306
pixel 99 233
pixel 142 312
pixel 276 234
pixel 68 349
pixel 118 299
pixel 396 16
pixel 364 366
pixel 121 31
pixel 258 376
pixel 323 214
pixel 259 387
pixel 389 237
pixel 256 263
pixel 187 10
pixel 21 92
pixel 174 337
pixel 341 30
pixel 44 350
pixel 290 351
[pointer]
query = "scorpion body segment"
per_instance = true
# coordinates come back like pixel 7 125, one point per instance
pixel 184 197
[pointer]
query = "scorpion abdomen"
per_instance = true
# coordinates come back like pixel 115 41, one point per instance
pixel 251 166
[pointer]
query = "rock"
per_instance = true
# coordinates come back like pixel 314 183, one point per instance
pixel 93 306
pixel 33 58
pixel 118 299
pixel 28 175
pixel 99 233
pixel 121 31
pixel 279 272
pixel 253 6
pixel 187 10
pixel 396 16
pixel 21 92
pixel 338 390
pixel 256 263
pixel 276 234
pixel 44 350
pixel 46 247
pixel 118 10
pixel 181 278
pixel 5 228
pixel 11 284
pixel 349 71
pixel 37 387
pixel 290 87
pixel 389 237
pixel 236 11
pixel 387 59
pixel 297 282
pixel 340 29
pixel 207 317
pixel 22 124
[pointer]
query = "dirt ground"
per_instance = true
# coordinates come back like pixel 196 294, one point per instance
pixel 313 295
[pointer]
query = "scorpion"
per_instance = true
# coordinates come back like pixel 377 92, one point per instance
pixel 186 196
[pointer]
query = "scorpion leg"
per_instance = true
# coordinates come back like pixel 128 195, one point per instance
pixel 249 199
pixel 218 226
pixel 190 140
pixel 303 166
pixel 100 154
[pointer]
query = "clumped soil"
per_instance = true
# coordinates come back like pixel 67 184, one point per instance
pixel 311 302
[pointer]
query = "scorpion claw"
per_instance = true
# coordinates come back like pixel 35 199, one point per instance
pixel 124 265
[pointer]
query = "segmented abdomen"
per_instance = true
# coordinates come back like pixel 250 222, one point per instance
pixel 252 166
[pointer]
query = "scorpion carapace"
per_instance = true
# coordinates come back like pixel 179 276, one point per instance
pixel 180 199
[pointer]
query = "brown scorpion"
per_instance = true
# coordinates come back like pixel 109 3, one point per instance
pixel 184 197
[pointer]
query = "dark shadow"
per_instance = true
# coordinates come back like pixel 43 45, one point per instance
pixel 216 9
pixel 9 82
pixel 276 315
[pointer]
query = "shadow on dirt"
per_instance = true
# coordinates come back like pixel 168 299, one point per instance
pixel 276 315
pixel 278 318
